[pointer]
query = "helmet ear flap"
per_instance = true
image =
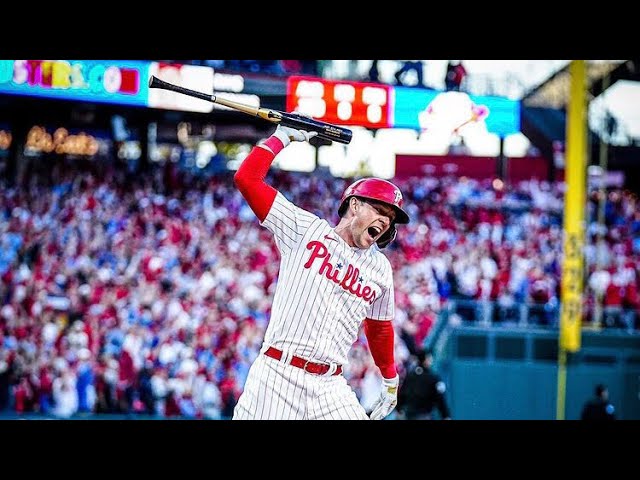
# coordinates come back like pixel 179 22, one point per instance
pixel 388 236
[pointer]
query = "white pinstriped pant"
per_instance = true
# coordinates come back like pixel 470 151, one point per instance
pixel 275 390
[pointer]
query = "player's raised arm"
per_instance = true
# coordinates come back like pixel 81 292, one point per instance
pixel 250 176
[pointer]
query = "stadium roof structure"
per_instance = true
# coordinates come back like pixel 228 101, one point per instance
pixel 554 91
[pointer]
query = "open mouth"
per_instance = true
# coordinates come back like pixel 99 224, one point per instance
pixel 374 231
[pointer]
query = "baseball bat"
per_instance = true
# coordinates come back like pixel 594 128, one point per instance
pixel 326 131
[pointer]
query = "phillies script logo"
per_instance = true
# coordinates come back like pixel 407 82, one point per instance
pixel 351 282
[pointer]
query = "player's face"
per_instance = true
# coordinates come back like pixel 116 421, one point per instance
pixel 372 220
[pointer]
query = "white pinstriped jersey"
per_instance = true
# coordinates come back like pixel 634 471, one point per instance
pixel 325 287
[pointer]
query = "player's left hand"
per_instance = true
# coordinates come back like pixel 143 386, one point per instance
pixel 387 400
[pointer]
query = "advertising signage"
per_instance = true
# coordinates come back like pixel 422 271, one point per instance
pixel 121 82
pixel 340 102
pixel 423 109
pixel 107 81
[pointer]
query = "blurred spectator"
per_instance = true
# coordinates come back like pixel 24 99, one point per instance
pixel 45 390
pixel 146 388
pixel 172 405
pixel 408 66
pixel 160 390
pixel 85 382
pixel 65 396
pixel 374 73
pixel 187 406
pixel 106 379
pixel 209 399
pixel 24 396
pixel 455 75
pixel 230 393
pixel 126 381
pixel 291 67
pixel 599 407
pixel 5 379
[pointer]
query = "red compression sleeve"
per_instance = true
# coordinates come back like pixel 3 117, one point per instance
pixel 250 177
pixel 380 338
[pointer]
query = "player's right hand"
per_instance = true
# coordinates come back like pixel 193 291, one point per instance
pixel 289 134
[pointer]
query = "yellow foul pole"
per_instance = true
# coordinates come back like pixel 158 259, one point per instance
pixel 574 221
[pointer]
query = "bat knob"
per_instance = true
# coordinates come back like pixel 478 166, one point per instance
pixel 154 82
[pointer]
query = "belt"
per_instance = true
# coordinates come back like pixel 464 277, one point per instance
pixel 306 365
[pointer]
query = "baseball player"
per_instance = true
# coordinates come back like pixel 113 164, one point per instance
pixel 331 279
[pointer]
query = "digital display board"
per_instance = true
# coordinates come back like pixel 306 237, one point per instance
pixel 340 102
pixel 107 81
pixel 423 109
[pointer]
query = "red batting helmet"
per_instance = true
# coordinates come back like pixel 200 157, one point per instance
pixel 382 191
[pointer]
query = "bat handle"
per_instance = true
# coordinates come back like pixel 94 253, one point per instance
pixel 325 130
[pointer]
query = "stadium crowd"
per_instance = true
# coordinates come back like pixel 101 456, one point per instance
pixel 150 293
